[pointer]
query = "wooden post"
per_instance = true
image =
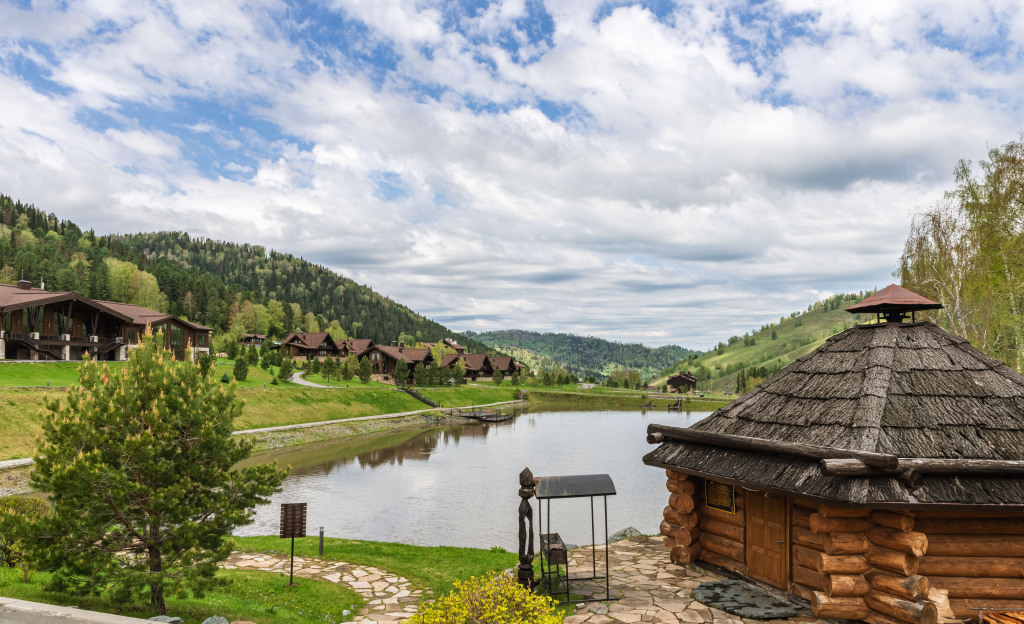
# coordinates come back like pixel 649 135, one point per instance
pixel 526 492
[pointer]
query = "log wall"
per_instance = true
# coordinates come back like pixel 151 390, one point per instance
pixel 860 564
pixel 976 557
pixel 883 567
pixel 723 534
pixel 679 525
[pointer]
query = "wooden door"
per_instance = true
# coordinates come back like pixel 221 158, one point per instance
pixel 767 538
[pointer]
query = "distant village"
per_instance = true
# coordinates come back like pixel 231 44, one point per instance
pixel 40 325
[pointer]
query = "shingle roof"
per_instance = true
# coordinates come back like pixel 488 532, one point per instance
pixel 15 298
pixel 411 356
pixel 909 390
pixel 308 340
pixel 475 361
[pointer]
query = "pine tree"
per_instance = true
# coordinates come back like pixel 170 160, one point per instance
pixel 241 370
pixel 140 465
pixel 285 372
pixel 364 370
pixel 401 372
pixel 419 374
pixel 498 377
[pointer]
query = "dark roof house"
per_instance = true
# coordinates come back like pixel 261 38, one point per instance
pixel 681 382
pixel 895 445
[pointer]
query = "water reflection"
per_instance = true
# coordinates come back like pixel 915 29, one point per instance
pixel 456 484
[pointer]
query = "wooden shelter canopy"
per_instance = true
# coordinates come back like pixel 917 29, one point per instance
pixel 908 391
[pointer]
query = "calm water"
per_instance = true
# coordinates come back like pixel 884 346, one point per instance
pixel 457 485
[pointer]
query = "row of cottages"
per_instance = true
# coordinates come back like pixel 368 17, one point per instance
pixel 681 382
pixel 384 358
pixel 38 324
pixel 877 477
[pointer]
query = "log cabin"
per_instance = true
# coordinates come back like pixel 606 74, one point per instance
pixel 681 382
pixel 304 345
pixel 37 324
pixel 876 477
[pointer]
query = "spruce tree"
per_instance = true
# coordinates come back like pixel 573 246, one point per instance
pixel 241 370
pixel 498 377
pixel 140 465
pixel 401 372
pixel 364 370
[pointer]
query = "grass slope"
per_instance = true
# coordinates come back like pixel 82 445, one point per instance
pixel 795 337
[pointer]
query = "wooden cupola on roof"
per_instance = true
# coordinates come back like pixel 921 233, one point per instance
pixel 893 303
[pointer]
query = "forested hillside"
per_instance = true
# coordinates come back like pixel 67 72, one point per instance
pixel 231 287
pixel 582 356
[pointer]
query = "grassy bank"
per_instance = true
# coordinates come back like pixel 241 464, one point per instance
pixel 427 567
pixel 470 394
pixel 298 404
pixel 260 597
pixel 19 420
pixel 587 400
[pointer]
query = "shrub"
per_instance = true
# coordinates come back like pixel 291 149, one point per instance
pixel 224 378
pixel 15 513
pixel 493 599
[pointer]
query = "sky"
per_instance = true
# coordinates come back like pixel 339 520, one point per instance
pixel 658 172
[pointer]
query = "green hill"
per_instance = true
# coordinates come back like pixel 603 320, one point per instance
pixel 760 354
pixel 582 356
pixel 227 286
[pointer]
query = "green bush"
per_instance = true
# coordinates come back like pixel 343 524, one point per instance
pixel 15 513
pixel 493 599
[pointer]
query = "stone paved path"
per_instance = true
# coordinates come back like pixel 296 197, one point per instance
pixel 644 586
pixel 389 597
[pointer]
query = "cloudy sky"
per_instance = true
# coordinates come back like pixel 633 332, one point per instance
pixel 658 172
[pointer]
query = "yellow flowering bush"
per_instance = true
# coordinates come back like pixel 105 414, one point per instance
pixel 489 600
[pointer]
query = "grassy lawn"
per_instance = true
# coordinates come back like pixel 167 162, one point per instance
pixel 260 597
pixel 39 373
pixel 469 394
pixel 433 567
pixel 19 420
pixel 278 405
pixel 341 383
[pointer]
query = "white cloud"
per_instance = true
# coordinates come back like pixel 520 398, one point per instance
pixel 692 186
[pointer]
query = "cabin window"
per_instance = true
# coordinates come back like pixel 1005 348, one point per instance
pixel 202 340
pixel 8 320
pixel 720 496
pixel 131 336
pixel 177 336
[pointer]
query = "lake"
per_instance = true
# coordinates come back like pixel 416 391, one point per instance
pixel 457 485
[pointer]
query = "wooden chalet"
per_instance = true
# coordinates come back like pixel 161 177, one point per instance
pixel 358 346
pixel 383 360
pixel 478 367
pixel 305 345
pixel 252 339
pixel 681 382
pixel 39 324
pixel 505 364
pixel 178 333
pixel 875 477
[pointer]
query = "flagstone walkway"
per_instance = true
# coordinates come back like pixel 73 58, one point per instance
pixel 389 597
pixel 644 587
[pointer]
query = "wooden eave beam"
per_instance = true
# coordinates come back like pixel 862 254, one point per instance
pixel 661 433
pixel 852 467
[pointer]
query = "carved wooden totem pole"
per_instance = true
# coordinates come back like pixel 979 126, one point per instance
pixel 526 491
